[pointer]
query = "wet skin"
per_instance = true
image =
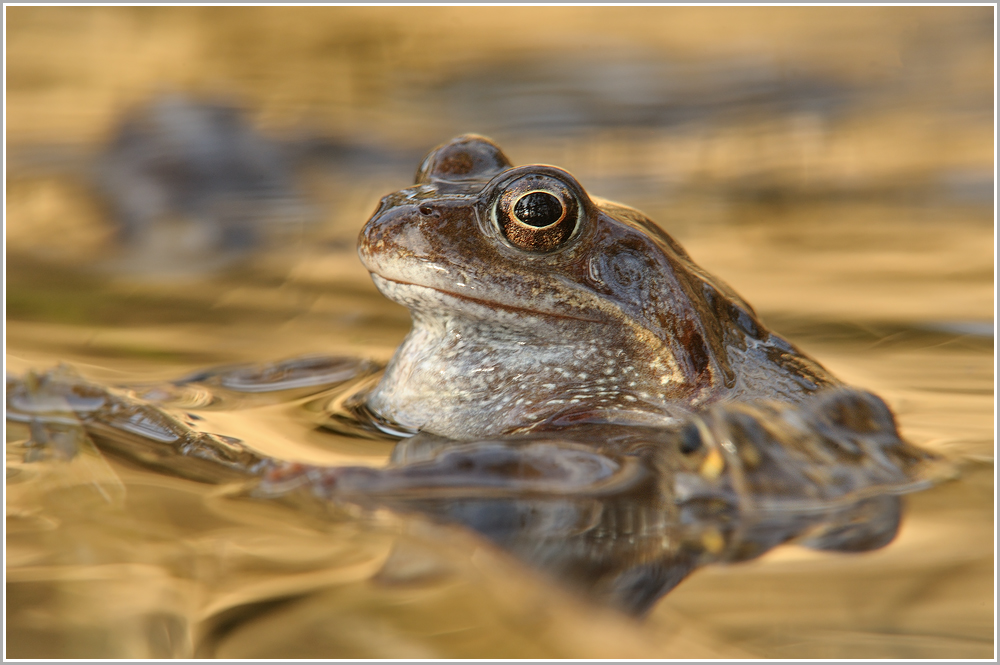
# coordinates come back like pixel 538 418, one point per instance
pixel 536 305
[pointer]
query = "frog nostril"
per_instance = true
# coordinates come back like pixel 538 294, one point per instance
pixel 426 210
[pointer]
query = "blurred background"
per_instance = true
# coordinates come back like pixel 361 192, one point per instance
pixel 176 140
pixel 185 185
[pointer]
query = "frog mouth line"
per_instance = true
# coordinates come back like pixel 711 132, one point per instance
pixel 486 303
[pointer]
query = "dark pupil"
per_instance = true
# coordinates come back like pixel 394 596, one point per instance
pixel 538 209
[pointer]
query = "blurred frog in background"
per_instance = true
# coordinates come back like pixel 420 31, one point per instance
pixel 202 167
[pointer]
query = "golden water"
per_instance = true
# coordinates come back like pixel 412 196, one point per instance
pixel 835 165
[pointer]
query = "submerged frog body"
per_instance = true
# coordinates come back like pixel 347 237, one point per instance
pixel 536 305
pixel 622 513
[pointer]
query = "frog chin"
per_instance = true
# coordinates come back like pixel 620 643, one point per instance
pixel 466 378
pixel 419 401
pixel 420 298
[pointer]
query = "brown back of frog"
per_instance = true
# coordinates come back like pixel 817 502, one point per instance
pixel 725 340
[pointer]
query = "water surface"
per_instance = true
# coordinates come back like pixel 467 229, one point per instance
pixel 834 166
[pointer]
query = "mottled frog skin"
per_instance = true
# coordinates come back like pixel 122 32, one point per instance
pixel 536 305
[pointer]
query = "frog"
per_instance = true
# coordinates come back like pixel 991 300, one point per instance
pixel 535 305
pixel 574 389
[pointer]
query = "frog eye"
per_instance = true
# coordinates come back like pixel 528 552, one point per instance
pixel 537 213
pixel 539 209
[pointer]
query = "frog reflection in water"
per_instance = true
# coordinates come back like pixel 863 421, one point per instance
pixel 574 388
